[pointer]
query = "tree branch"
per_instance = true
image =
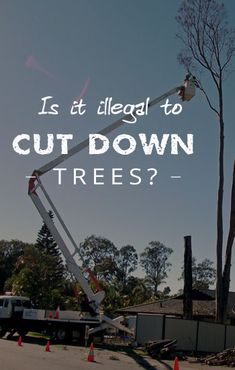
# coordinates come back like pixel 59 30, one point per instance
pixel 208 99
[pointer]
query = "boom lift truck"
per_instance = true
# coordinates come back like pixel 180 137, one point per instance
pixel 97 321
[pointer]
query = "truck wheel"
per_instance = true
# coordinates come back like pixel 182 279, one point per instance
pixel 61 334
pixel 2 331
pixel 64 335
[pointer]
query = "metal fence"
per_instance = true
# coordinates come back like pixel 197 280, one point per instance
pixel 191 335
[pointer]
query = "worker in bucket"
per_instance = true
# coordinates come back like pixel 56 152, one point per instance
pixel 187 90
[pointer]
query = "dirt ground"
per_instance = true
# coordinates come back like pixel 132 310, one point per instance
pixel 32 356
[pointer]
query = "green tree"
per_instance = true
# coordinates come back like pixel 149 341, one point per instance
pixel 45 241
pixel 113 299
pixel 46 244
pixel 9 253
pixel 100 255
pixel 126 263
pixel 34 277
pixel 165 293
pixel 203 274
pixel 154 261
pixel 209 46
pixel 137 292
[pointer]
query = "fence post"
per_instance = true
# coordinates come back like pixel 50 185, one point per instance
pixel 187 301
pixel 197 334
pixel 225 336
pixel 163 326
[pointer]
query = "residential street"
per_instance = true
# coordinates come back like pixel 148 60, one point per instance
pixel 33 356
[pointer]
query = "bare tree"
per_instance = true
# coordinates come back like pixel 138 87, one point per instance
pixel 230 240
pixel 209 46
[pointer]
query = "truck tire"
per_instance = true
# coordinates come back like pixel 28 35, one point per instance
pixel 3 331
pixel 61 334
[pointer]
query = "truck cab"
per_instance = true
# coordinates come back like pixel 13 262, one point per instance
pixel 11 310
pixel 13 306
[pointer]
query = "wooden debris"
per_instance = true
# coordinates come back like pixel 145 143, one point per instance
pixel 226 357
pixel 161 348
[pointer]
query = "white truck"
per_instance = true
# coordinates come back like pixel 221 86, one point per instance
pixel 17 315
pixel 13 313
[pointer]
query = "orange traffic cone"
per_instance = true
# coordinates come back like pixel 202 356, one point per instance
pixel 19 341
pixel 91 357
pixel 51 315
pixel 57 313
pixel 47 348
pixel 176 364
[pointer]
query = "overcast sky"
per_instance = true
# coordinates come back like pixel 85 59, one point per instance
pixel 126 50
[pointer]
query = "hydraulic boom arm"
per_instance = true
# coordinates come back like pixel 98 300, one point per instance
pixel 35 183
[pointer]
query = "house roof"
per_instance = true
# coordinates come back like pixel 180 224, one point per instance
pixel 203 306
pixel 198 295
pixel 211 293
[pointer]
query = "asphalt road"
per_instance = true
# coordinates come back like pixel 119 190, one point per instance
pixel 32 356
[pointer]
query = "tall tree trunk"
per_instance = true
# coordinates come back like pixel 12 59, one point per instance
pixel 228 256
pixel 188 306
pixel 156 287
pixel 219 246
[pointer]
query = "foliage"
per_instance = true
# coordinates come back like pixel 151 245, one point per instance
pixel 113 299
pixel 138 291
pixel 126 263
pixel 34 277
pixel 45 241
pixel 36 271
pixel 46 244
pixel 165 293
pixel 9 253
pixel 31 270
pixel 203 274
pixel 154 260
pixel 208 41
pixel 100 255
